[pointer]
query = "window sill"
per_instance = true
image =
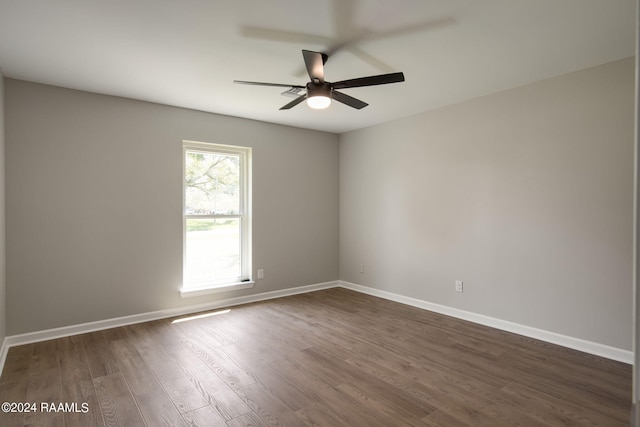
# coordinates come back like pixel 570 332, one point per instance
pixel 213 289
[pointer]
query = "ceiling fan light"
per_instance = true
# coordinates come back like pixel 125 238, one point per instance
pixel 318 102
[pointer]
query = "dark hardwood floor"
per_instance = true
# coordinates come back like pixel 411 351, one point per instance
pixel 329 358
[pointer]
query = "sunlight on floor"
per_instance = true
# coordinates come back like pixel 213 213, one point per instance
pixel 200 316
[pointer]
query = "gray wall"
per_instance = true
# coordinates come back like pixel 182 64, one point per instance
pixel 94 204
pixel 3 318
pixel 525 195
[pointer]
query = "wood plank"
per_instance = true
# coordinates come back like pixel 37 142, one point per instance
pixel 247 420
pixel 442 419
pixel 209 331
pixel 158 410
pixel 376 389
pixel 204 417
pixel 13 389
pixel 566 378
pixel 451 401
pixel 77 384
pixel 47 420
pixel 226 368
pixel 116 402
pixel 15 381
pixel 17 363
pixel 377 406
pixel 269 408
pixel 139 377
pixel 210 386
pixel 44 382
pixel 564 412
pixel 173 378
pixel 278 386
pixel 319 415
pixel 97 348
pixel 349 410
pixel 613 408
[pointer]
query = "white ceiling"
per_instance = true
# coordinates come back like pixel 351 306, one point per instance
pixel 187 53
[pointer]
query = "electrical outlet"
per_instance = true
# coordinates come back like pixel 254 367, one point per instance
pixel 260 273
pixel 361 268
pixel 459 286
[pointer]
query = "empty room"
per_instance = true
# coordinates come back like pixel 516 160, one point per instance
pixel 330 213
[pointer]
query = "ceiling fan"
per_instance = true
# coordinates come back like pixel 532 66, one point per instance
pixel 320 92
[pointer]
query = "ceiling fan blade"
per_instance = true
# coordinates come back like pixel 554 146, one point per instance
pixel 243 82
pixel 315 64
pixel 295 102
pixel 283 36
pixel 381 79
pixel 371 60
pixel 409 29
pixel 348 100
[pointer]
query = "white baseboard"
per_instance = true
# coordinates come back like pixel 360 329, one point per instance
pixel 4 350
pixel 602 350
pixel 552 337
pixel 99 325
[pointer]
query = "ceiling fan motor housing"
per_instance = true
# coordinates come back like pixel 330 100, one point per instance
pixel 318 89
pixel 319 95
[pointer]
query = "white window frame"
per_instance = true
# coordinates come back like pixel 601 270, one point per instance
pixel 245 280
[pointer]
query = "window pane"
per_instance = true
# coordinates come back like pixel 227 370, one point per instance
pixel 213 250
pixel 212 183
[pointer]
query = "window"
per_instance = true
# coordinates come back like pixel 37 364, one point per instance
pixel 217 223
